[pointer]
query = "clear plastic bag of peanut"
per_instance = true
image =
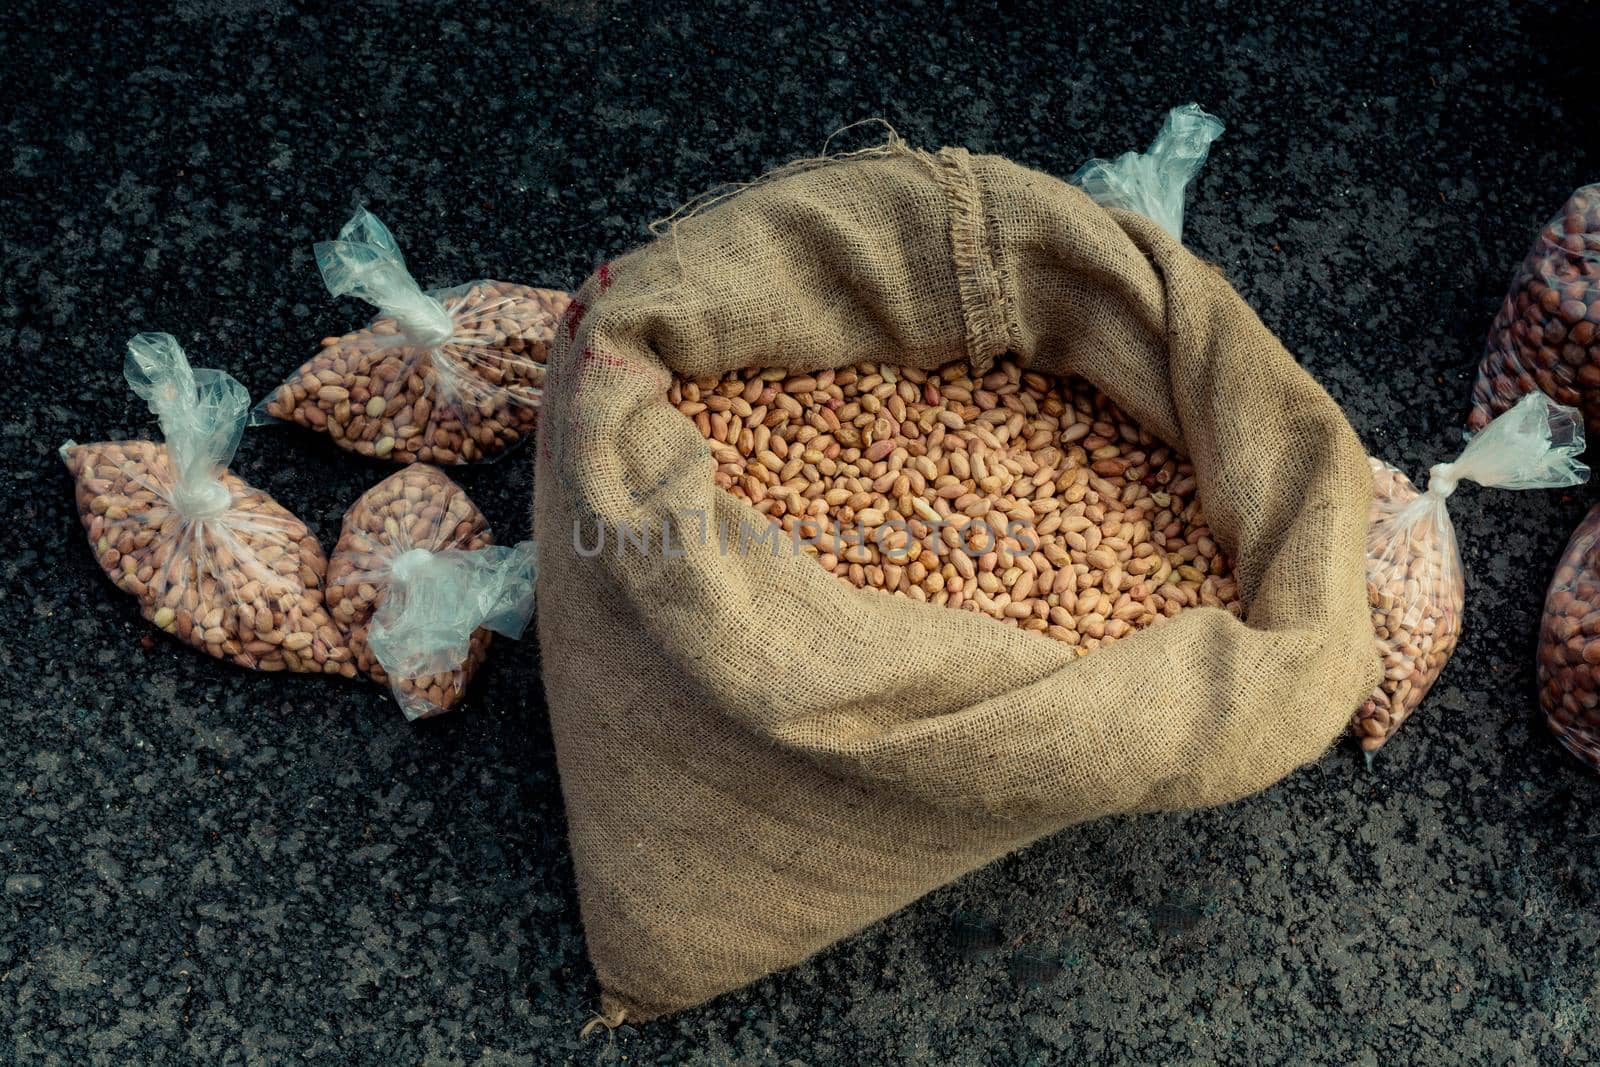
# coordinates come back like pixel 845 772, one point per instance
pixel 417 586
pixel 1569 645
pixel 445 377
pixel 1414 580
pixel 1547 334
pixel 213 561
pixel 1153 182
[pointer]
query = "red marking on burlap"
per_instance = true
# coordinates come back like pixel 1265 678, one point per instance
pixel 591 358
pixel 574 316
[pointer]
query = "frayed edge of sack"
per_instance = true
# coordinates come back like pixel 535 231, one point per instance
pixel 892 145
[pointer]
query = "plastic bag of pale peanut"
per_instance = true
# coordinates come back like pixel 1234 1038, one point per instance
pixel 1414 578
pixel 213 561
pixel 417 586
pixel 448 376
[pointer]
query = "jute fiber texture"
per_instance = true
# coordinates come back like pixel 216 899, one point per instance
pixel 758 760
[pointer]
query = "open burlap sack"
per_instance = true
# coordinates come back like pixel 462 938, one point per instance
pixel 758 760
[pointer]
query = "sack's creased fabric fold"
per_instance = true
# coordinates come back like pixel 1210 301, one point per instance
pixel 758 760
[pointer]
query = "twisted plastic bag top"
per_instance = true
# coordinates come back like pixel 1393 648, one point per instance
pixel 202 415
pixel 436 600
pixel 1535 445
pixel 366 263
pixel 1153 182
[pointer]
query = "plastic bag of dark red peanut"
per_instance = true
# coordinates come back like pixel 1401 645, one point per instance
pixel 1569 645
pixel 215 562
pixel 1547 334
pixel 417 585
pixel 448 376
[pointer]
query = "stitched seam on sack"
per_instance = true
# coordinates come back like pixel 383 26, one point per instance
pixel 982 298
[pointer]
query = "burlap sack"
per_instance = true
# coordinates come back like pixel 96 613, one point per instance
pixel 758 760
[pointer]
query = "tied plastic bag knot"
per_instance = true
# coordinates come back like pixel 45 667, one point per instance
pixel 365 262
pixel 202 415
pixel 409 566
pixel 204 500
pixel 1441 480
pixel 1153 182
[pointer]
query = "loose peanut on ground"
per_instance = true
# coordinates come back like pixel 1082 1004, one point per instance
pixel 878 455
pixel 1416 591
pixel 469 398
pixel 1569 645
pixel 244 584
pixel 417 508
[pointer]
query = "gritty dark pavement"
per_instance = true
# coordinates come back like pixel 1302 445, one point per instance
pixel 204 865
